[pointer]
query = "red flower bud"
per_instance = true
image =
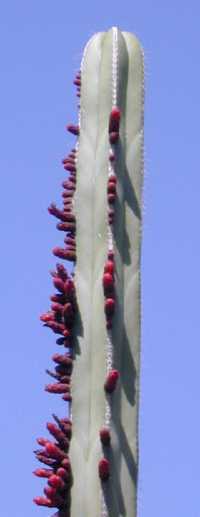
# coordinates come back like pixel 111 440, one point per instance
pixel 70 240
pixel 64 253
pixel 67 397
pixel 57 307
pixel 70 247
pixel 108 281
pixel 54 452
pixel 73 129
pixel 43 459
pixel 62 473
pixel 62 359
pixel 70 288
pixel 70 217
pixel 69 166
pixel 112 178
pixel 59 284
pixel 111 187
pixel 42 441
pixel 58 387
pixel 77 82
pixel 109 306
pixel 53 210
pixel 58 328
pixel 65 227
pixel 66 465
pixel 62 272
pixel 56 432
pixel 109 267
pixel 111 381
pixel 69 190
pixel 68 311
pixel 65 185
pixel 43 501
pixel 47 316
pixel 56 481
pixel 114 120
pixel 43 473
pixel 69 158
pixel 68 195
pixel 104 469
pixel 50 492
pixel 67 205
pixel 67 332
pixel 105 436
pixel 58 298
pixel 65 426
pixel 72 179
pixel 111 219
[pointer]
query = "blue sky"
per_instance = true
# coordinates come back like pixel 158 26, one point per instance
pixel 41 45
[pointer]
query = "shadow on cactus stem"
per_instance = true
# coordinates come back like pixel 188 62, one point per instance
pixel 128 369
pixel 130 196
pixel 77 332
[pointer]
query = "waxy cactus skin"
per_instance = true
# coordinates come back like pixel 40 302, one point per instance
pixel 91 467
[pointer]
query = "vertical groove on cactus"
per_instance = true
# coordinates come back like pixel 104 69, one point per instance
pixel 93 464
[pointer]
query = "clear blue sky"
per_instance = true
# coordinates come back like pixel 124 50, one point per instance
pixel 41 45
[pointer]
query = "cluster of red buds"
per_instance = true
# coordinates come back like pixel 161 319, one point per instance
pixel 109 281
pixel 61 319
pixel 77 82
pixel 66 216
pixel 109 289
pixel 114 123
pixel 54 455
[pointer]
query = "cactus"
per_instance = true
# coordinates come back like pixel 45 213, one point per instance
pixel 92 466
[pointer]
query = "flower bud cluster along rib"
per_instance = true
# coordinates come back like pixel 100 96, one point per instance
pixel 109 294
pixel 60 318
pixel 109 275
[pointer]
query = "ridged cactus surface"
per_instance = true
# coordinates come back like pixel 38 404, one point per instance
pixel 99 318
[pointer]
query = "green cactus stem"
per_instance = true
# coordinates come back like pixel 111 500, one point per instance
pixel 93 465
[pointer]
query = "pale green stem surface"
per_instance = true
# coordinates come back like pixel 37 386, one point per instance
pixel 91 208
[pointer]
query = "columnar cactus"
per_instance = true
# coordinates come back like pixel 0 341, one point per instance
pixel 93 462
